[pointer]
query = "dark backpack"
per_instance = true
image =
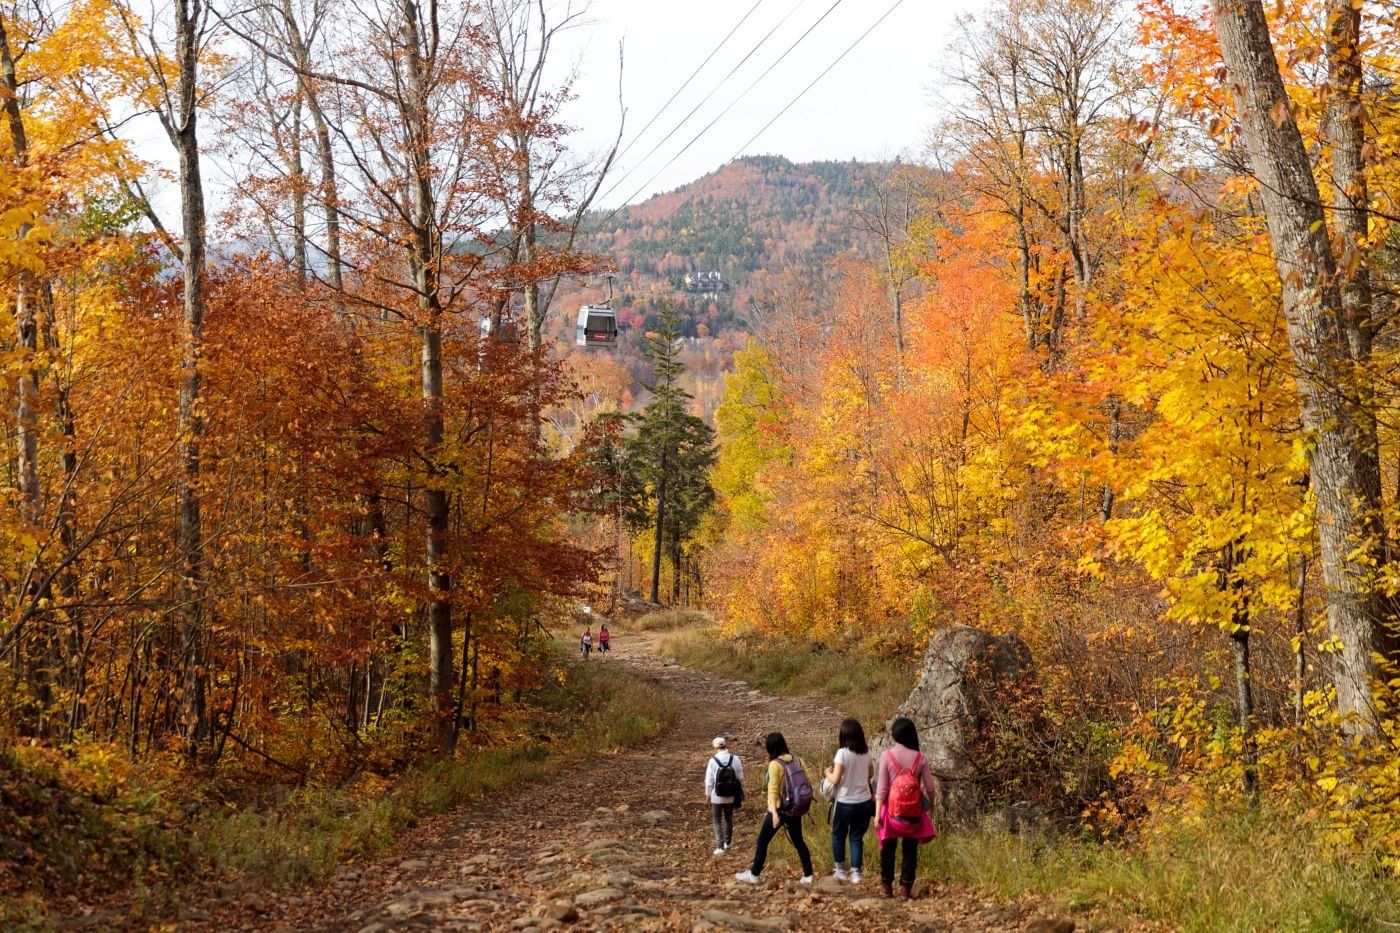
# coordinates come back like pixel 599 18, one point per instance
pixel 726 781
pixel 797 790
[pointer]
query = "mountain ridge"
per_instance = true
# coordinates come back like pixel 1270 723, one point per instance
pixel 750 215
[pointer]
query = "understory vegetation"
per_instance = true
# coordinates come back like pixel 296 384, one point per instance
pixel 1234 869
pixel 82 823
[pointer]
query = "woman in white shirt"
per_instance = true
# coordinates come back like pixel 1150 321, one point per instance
pixel 722 805
pixel 850 775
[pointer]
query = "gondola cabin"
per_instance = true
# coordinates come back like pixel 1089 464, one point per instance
pixel 502 329
pixel 597 326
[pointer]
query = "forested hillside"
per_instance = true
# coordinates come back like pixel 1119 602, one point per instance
pixel 753 216
pixel 763 223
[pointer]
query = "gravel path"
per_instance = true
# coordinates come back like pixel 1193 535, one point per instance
pixel 621 844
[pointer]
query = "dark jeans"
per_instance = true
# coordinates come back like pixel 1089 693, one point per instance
pixel 850 820
pixel 767 831
pixel 911 860
pixel 722 814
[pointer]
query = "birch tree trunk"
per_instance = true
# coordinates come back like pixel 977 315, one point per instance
pixel 1347 133
pixel 325 155
pixel 426 284
pixel 182 126
pixel 1326 351
pixel 26 322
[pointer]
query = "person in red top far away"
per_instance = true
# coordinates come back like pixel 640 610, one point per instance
pixel 604 639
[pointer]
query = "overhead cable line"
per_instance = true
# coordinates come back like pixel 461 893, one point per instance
pixel 743 94
pixel 686 83
pixel 705 100
pixel 740 151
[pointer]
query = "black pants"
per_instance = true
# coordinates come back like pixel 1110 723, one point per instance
pixel 767 831
pixel 911 860
pixel 722 815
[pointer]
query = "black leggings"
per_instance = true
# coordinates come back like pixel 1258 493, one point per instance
pixel 767 831
pixel 911 860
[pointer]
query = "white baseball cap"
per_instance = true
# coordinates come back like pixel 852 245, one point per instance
pixel 719 742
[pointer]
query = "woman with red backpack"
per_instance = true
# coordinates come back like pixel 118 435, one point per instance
pixel 789 799
pixel 903 799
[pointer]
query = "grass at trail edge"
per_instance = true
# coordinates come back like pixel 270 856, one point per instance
pixel 866 686
pixel 317 828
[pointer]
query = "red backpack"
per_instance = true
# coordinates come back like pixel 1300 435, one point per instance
pixel 907 791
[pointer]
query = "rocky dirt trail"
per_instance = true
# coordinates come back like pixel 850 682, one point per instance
pixel 623 843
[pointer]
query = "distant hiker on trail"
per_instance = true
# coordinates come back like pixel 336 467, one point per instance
pixel 724 789
pixel 586 645
pixel 903 798
pixel 604 639
pixel 789 799
pixel 853 806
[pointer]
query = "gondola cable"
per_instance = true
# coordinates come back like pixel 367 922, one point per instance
pixel 686 83
pixel 703 101
pixel 790 104
pixel 767 71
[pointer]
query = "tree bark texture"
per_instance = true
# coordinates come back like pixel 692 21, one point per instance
pixel 1345 472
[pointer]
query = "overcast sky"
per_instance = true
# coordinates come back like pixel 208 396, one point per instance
pixel 877 102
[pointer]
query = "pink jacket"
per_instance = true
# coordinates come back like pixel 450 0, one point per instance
pixel 887 827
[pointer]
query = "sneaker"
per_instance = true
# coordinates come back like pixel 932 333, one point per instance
pixel 720 851
pixel 838 873
pixel 855 876
pixel 747 877
pixel 805 879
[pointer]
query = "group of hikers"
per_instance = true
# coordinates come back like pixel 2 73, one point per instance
pixel 895 793
pixel 604 641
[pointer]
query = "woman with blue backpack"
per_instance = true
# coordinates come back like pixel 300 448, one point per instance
pixel 789 799
pixel 903 799
pixel 724 788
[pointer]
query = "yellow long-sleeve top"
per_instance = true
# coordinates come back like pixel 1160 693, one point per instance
pixel 776 778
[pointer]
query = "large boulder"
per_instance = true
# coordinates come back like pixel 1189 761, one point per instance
pixel 969 679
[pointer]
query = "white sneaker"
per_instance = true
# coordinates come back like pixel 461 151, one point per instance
pixel 838 873
pixel 855 876
pixel 747 877
pixel 721 850
pixel 805 879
